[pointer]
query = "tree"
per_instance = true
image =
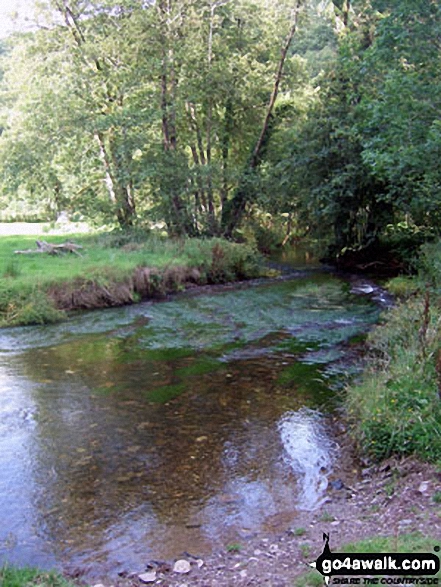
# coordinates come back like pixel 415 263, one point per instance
pixel 400 107
pixel 146 109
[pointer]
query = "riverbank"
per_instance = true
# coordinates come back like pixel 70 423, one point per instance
pixel 394 499
pixel 392 507
pixel 109 270
pixel 395 407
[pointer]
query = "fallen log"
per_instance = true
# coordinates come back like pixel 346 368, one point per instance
pixel 51 249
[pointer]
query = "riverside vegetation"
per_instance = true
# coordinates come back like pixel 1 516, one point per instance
pixel 113 269
pixel 396 406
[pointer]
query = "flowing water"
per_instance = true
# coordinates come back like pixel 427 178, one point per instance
pixel 183 425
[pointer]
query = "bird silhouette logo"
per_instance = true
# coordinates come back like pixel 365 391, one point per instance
pixel 326 555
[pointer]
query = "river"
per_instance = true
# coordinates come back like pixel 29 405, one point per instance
pixel 183 425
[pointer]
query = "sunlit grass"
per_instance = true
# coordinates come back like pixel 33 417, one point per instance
pixel 108 260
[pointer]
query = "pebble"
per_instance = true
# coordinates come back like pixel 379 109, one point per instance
pixel 424 486
pixel 181 566
pixel 147 577
pixel 337 484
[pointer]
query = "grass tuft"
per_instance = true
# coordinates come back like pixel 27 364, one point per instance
pixel 29 577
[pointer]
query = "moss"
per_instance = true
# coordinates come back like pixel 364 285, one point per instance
pixel 200 367
pixel 165 393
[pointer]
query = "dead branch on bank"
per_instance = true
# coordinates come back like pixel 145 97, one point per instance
pixel 51 249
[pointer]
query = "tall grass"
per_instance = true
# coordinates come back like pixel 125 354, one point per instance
pixel 396 406
pixel 108 261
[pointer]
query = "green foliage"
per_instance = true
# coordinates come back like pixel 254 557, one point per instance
pixel 429 264
pixel 24 304
pixel 153 119
pixel 395 408
pixel 405 238
pixel 402 287
pixel 399 105
pixel 359 162
pixel 150 117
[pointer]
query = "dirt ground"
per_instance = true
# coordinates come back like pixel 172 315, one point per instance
pixel 393 498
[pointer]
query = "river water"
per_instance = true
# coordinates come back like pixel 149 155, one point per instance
pixel 184 425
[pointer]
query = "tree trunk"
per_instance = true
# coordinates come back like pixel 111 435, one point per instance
pixel 235 209
pixel 119 195
pixel 178 220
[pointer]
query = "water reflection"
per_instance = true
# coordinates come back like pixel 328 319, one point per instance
pixel 309 452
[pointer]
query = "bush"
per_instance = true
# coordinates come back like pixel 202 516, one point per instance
pixel 402 286
pixel 429 265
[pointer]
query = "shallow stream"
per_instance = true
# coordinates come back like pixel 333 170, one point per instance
pixel 185 425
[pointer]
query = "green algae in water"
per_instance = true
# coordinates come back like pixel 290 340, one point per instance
pixel 304 376
pixel 109 389
pixel 165 393
pixel 199 367
pixel 323 356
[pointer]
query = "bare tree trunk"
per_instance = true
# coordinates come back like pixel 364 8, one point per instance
pixel 346 9
pixel 122 197
pixel 225 147
pixel 234 209
pixel 109 180
pixel 200 195
pixel 177 218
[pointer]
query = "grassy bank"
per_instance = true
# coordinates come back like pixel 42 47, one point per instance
pixel 28 577
pixel 396 406
pixel 111 270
